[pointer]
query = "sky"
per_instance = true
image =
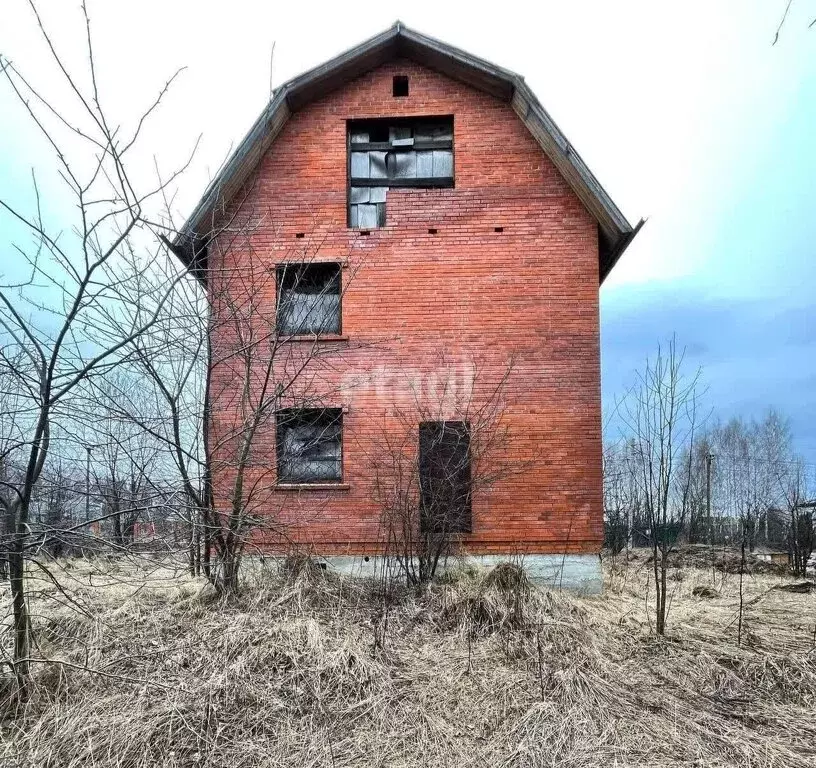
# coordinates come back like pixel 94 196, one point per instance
pixel 687 113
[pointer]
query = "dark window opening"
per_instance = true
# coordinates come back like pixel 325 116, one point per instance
pixel 310 445
pixel 309 300
pixel 445 477
pixel 396 152
pixel 400 86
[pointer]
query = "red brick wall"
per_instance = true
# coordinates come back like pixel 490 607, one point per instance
pixel 478 296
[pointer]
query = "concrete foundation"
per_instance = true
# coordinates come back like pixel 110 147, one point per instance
pixel 580 574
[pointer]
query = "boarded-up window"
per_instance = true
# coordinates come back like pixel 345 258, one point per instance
pixel 395 152
pixel 308 299
pixel 445 477
pixel 310 445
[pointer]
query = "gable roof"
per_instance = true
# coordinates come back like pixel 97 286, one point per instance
pixel 615 232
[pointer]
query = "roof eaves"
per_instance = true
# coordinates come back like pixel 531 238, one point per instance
pixel 606 265
pixel 294 93
pixel 470 69
pixel 252 146
pixel 568 161
pixel 343 67
pixel 258 135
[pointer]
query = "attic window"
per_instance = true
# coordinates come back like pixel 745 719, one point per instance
pixel 400 86
pixel 412 152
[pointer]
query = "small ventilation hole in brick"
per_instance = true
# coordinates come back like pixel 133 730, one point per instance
pixel 300 235
pixel 432 231
pixel 365 232
pixel 498 229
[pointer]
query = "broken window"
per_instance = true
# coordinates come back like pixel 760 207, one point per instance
pixel 445 477
pixel 308 299
pixel 310 445
pixel 416 152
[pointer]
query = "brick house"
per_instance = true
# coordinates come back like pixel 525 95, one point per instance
pixel 430 235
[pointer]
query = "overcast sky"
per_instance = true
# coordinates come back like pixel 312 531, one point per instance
pixel 685 112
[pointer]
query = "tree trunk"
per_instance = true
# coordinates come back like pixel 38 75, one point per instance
pixel 130 528
pixel 20 610
pixel 229 571
pixel 5 542
pixel 54 520
pixel 741 600
pixel 117 530
pixel 660 587
pixel 197 544
pixel 191 545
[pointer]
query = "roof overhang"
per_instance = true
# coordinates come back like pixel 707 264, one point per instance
pixel 614 231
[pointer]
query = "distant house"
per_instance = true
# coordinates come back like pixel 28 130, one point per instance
pixel 770 555
pixel 454 221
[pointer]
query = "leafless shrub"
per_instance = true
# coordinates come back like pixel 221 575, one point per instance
pixel 432 457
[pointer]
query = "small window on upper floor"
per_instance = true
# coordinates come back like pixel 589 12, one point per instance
pixel 309 299
pixel 395 152
pixel 400 88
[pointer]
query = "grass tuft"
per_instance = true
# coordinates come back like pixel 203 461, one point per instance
pixel 306 668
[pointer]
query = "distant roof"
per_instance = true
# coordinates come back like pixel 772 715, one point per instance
pixel 761 550
pixel 399 41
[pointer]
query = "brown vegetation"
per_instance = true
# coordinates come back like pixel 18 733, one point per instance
pixel 483 668
pixel 723 559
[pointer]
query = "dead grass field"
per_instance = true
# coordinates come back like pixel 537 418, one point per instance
pixel 306 670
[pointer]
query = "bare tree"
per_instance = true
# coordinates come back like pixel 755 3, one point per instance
pixel 661 414
pixel 623 507
pixel 738 476
pixel 699 525
pixel 799 492
pixel 270 368
pixel 127 459
pixel 66 317
pixel 240 346
pixel 13 421
pixel 164 396
pixel 784 19
pixel 56 495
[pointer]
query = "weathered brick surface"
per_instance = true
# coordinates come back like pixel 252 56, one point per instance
pixel 476 295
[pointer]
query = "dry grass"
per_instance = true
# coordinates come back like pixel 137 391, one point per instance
pixel 306 669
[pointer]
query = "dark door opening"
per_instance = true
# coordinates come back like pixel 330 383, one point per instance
pixel 445 477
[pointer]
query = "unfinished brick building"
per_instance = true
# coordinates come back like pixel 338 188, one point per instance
pixel 408 220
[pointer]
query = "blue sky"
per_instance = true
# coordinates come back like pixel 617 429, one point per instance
pixel 741 296
pixel 686 113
